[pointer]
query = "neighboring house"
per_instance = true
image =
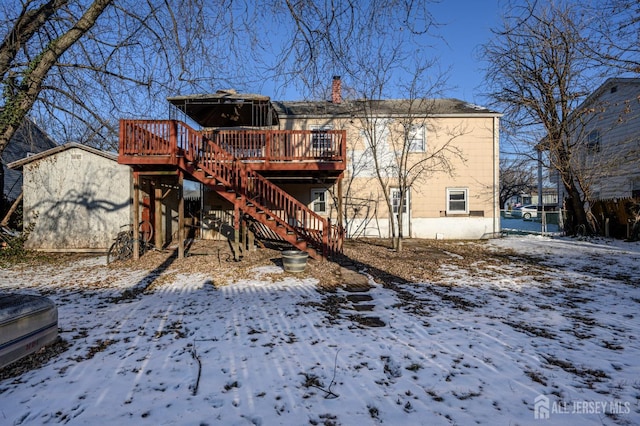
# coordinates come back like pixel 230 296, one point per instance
pixel 607 125
pixel 287 167
pixel 77 197
pixel 28 140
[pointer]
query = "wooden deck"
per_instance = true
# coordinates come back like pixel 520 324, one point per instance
pixel 164 142
pixel 242 166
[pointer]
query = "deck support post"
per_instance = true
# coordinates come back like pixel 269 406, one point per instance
pixel 157 201
pixel 340 218
pixel 340 206
pixel 180 215
pixel 236 232
pixel 136 215
pixel 251 240
pixel 243 236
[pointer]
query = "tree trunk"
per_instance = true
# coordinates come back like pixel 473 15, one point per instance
pixel 19 103
pixel 577 209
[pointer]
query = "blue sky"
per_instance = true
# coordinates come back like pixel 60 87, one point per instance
pixel 466 25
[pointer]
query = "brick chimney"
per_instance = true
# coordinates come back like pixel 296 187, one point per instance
pixel 336 90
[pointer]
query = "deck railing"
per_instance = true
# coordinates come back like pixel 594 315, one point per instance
pixel 221 154
pixel 281 145
pixel 167 137
pixel 263 194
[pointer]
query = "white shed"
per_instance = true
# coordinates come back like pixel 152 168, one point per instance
pixel 77 197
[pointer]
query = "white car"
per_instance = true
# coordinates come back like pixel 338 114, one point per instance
pixel 525 212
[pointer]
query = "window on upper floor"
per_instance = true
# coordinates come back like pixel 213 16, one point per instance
pixel 416 138
pixel 321 141
pixel 457 201
pixel 593 141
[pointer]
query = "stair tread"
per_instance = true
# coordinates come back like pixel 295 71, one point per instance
pixel 200 170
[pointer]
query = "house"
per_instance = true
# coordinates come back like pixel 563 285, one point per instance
pixel 285 169
pixel 28 140
pixel 77 198
pixel 460 205
pixel 606 125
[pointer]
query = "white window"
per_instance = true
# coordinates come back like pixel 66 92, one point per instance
pixel 321 141
pixel 319 201
pixel 416 139
pixel 395 201
pixel 457 201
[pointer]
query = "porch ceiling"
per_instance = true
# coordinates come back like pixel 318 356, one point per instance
pixel 227 109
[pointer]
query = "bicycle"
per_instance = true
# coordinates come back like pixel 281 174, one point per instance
pixel 122 247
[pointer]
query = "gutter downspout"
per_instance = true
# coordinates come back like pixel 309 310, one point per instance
pixel 496 177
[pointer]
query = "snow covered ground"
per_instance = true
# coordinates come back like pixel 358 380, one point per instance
pixel 554 336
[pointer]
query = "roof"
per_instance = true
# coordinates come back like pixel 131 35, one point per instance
pixel 390 107
pixel 220 95
pixel 17 165
pixel 607 85
pixel 227 108
pixel 29 139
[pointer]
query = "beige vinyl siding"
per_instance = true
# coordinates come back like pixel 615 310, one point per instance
pixel 474 135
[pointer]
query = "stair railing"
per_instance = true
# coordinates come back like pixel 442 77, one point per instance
pixel 265 195
pixel 174 138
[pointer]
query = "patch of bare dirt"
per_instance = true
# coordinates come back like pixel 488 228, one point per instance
pixel 418 261
pixel 422 260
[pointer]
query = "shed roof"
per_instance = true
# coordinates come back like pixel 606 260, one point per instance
pixel 17 165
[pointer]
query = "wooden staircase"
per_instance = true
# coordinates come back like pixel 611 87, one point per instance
pixel 248 191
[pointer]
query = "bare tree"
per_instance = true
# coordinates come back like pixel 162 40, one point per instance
pixel 614 35
pixel 77 66
pixel 80 65
pixel 358 210
pixel 394 134
pixel 22 88
pixel 538 74
pixel 516 177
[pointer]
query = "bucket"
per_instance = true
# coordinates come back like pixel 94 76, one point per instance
pixel 294 260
